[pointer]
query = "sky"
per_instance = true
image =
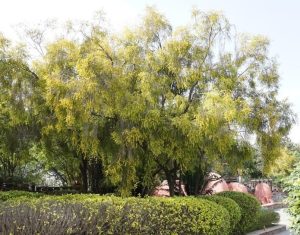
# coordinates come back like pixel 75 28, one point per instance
pixel 277 19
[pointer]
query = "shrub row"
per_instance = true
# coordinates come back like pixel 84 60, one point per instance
pixel 76 214
pixel 9 195
pixel 224 213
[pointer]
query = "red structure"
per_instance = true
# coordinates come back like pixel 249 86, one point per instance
pixel 263 193
pixel 163 189
pixel 216 184
pixel 237 187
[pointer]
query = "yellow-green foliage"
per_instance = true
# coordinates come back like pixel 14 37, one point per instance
pixel 170 97
pixel 249 206
pixel 283 165
pixel 92 214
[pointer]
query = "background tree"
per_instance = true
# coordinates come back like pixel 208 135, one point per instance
pixel 19 121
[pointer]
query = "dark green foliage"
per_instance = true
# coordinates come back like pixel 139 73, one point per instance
pixel 265 218
pixel 86 214
pixel 4 196
pixel 230 205
pixel 249 206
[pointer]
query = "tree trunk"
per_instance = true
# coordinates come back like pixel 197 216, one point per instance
pixel 96 175
pixel 194 181
pixel 84 175
pixel 171 182
pixel 199 181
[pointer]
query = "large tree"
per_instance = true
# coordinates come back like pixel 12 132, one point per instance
pixel 163 100
pixel 196 98
pixel 157 101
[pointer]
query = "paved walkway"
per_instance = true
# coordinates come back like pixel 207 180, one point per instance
pixel 285 233
pixel 284 219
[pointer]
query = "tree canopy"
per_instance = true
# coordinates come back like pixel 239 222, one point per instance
pixel 124 109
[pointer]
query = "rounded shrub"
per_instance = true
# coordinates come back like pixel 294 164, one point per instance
pixel 230 205
pixel 113 215
pixel 199 216
pixel 249 206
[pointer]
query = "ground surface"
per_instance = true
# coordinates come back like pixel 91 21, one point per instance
pixel 284 219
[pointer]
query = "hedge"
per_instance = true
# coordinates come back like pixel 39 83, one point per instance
pixel 249 206
pixel 230 205
pixel 9 195
pixel 210 218
pixel 86 214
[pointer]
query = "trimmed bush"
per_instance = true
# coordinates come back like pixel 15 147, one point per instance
pixel 230 205
pixel 249 206
pixel 266 218
pixel 9 195
pixel 208 217
pixel 79 214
